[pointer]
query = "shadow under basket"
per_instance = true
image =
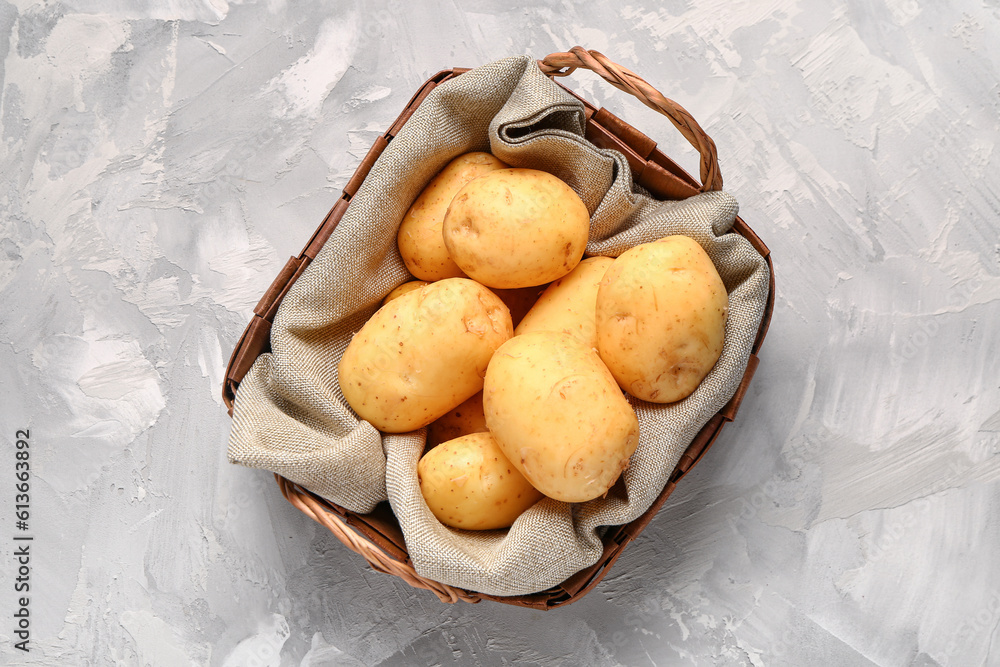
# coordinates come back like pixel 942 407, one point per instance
pixel 377 535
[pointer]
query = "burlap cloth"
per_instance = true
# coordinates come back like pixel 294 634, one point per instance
pixel 291 418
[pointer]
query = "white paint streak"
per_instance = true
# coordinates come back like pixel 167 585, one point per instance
pixel 80 43
pixel 115 371
pixel 321 654
pixel 141 522
pixel 211 361
pixel 156 642
pixel 262 648
pixel 715 20
pixel 848 81
pixel 306 84
pixel 371 94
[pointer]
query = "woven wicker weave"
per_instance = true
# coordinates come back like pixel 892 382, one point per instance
pixel 377 536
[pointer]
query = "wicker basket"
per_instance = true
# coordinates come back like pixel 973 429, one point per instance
pixel 377 535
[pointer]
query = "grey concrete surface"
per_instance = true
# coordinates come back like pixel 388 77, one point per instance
pixel 161 160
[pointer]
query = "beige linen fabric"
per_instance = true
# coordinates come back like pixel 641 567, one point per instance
pixel 290 416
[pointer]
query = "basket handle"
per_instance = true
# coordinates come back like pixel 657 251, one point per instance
pixel 563 64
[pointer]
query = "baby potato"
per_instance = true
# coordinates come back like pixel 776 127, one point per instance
pixel 570 303
pixel 516 228
pixel 419 238
pixel 422 354
pixel 558 415
pixel 404 289
pixel 465 419
pixel 469 483
pixel 661 318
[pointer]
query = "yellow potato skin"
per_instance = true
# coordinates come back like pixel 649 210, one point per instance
pixel 422 354
pixel 516 228
pixel 468 483
pixel 419 238
pixel 570 303
pixel 465 419
pixel 661 318
pixel 404 289
pixel 558 415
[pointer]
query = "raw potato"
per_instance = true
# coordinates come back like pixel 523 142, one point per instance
pixel 570 303
pixel 469 483
pixel 661 318
pixel 558 415
pixel 465 419
pixel 419 238
pixel 422 354
pixel 516 228
pixel 405 288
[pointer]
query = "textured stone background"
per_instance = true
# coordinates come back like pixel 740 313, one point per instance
pixel 161 160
